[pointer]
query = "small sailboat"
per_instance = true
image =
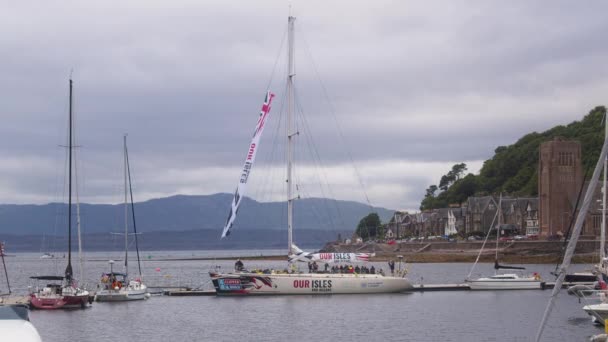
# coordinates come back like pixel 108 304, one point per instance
pixel 62 292
pixel 45 255
pixel 243 282
pixel 503 281
pixel 115 286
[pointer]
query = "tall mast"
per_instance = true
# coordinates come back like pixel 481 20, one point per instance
pixel 290 132
pixel 603 232
pixel 132 209
pixel 126 206
pixel 498 228
pixel 78 231
pixel 68 269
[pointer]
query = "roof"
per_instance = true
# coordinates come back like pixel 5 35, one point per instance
pixel 115 274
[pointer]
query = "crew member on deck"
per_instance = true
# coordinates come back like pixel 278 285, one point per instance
pixel 238 265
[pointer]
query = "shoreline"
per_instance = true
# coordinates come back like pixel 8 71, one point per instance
pixel 424 258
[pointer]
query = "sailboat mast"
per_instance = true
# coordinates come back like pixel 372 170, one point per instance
pixel 603 232
pixel 290 132
pixel 126 205
pixel 68 269
pixel 80 271
pixel 498 228
pixel 133 210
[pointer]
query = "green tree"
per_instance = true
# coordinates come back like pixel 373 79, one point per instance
pixel 514 168
pixel 368 226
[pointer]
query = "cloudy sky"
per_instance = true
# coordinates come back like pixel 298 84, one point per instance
pixel 404 88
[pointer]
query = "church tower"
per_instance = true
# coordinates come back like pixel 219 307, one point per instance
pixel 560 174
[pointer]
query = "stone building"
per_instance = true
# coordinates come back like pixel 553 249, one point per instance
pixel 559 180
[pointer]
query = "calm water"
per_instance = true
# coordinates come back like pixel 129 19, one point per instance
pixel 438 316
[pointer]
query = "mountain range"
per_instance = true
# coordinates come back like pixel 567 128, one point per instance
pixel 185 214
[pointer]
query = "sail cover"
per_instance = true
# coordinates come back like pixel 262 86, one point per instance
pixel 249 160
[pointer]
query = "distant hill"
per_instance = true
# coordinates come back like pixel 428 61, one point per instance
pixel 514 169
pixel 199 239
pixel 184 213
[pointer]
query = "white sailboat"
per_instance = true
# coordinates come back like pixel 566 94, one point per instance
pixel 285 283
pixel 115 286
pixel 503 281
pixel 599 311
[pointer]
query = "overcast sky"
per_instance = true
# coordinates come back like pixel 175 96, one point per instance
pixel 411 89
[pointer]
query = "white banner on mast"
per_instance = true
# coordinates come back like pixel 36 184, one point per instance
pixel 253 148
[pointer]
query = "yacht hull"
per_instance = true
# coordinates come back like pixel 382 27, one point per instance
pixel 121 296
pixel 513 284
pixel 239 284
pixel 58 302
pixel 599 312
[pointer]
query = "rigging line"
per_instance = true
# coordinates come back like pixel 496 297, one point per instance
pixel 500 218
pixel 133 209
pixel 310 143
pixel 482 247
pixel 573 216
pixel 332 112
pixel 316 158
pixel 276 61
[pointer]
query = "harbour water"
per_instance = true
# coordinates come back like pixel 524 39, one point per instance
pixel 431 316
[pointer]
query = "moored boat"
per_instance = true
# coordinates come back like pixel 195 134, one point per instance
pixel 599 312
pixel 247 283
pixel 502 281
pixel 116 287
pixel 60 294
pixel 505 281
pixel 64 292
pixel 292 282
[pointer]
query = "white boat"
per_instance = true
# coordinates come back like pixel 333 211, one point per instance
pixel 293 282
pixel 246 283
pixel 503 281
pixel 46 256
pixel 15 325
pixel 598 312
pixel 506 281
pixel 116 287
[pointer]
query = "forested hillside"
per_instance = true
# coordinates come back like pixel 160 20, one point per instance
pixel 513 169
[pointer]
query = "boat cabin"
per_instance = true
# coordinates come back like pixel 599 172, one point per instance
pixel 504 276
pixel 114 280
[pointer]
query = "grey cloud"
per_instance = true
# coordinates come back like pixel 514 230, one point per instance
pixel 430 81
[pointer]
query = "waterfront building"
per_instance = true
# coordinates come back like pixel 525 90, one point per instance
pixel 480 213
pixel 559 180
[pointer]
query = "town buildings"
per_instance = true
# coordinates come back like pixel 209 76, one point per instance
pixel 560 180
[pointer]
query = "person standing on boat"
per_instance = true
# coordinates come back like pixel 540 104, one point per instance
pixel 238 265
pixel 391 265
